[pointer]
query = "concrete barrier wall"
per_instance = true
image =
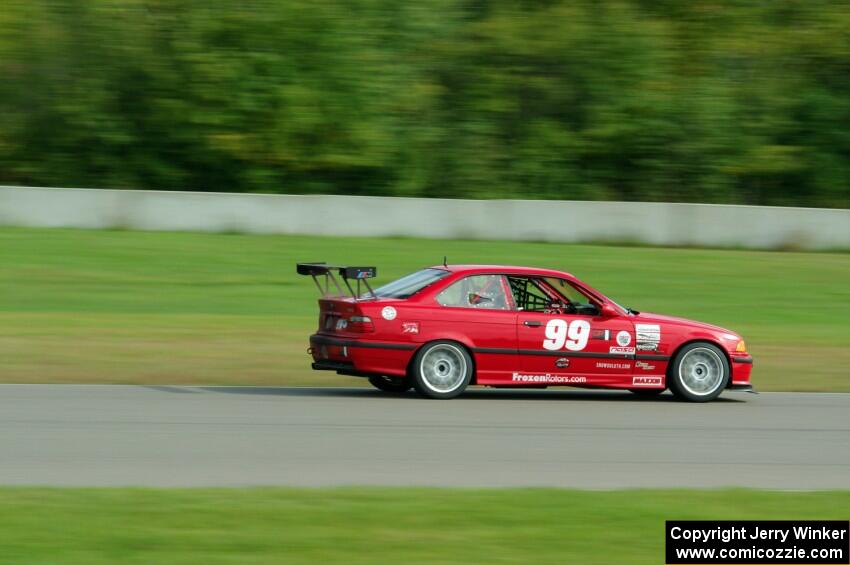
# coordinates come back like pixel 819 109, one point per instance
pixel 536 220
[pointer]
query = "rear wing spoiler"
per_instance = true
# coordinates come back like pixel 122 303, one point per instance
pixel 329 274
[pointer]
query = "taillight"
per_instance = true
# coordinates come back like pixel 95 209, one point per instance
pixel 360 324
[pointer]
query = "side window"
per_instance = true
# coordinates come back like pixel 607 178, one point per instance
pixel 528 295
pixel 578 302
pixel 550 296
pixel 566 290
pixel 478 291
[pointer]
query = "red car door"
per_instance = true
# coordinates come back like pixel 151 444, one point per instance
pixel 477 311
pixel 570 342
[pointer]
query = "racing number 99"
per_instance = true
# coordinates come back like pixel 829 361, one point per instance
pixel 560 333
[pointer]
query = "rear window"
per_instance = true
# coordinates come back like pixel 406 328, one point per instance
pixel 409 285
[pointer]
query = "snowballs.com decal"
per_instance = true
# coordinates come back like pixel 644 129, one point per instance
pixel 561 334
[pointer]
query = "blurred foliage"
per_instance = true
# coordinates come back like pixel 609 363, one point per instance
pixel 712 101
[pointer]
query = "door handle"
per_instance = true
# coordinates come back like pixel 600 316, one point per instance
pixel 532 323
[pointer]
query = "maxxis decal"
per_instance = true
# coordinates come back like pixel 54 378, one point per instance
pixel 647 381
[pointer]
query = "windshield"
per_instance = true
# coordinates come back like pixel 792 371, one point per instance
pixel 409 285
pixel 628 311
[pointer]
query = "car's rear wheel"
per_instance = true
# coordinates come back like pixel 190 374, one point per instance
pixel 390 384
pixel 699 372
pixel 647 392
pixel 441 369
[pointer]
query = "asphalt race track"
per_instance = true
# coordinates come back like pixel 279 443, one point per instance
pixel 199 436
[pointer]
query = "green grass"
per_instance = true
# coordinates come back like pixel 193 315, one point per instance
pixel 370 525
pixel 140 307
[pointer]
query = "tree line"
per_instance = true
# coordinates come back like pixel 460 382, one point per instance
pixel 662 100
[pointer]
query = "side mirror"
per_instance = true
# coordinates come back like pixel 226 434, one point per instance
pixel 608 311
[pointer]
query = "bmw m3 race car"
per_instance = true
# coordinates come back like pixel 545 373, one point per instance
pixel 444 328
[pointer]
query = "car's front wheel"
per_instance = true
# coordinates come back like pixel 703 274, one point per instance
pixel 441 369
pixel 699 372
pixel 390 384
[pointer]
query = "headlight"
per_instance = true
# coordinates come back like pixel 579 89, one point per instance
pixel 742 347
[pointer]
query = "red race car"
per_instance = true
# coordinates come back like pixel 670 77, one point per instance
pixel 444 328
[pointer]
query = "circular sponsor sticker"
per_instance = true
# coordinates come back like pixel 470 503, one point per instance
pixel 388 313
pixel 623 338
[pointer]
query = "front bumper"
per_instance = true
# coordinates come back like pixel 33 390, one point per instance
pixel 742 368
pixel 743 388
pixel 745 359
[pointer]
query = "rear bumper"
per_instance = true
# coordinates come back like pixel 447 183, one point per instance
pixel 339 367
pixel 360 357
pixel 332 366
pixel 318 339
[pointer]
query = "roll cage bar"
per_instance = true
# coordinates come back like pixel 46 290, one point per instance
pixel 519 286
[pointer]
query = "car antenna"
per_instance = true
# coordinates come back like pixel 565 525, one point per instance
pixel 445 264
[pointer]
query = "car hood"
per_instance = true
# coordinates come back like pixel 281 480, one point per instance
pixel 650 318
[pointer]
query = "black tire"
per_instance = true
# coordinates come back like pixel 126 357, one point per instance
pixel 441 369
pixel 391 384
pixel 647 392
pixel 693 374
